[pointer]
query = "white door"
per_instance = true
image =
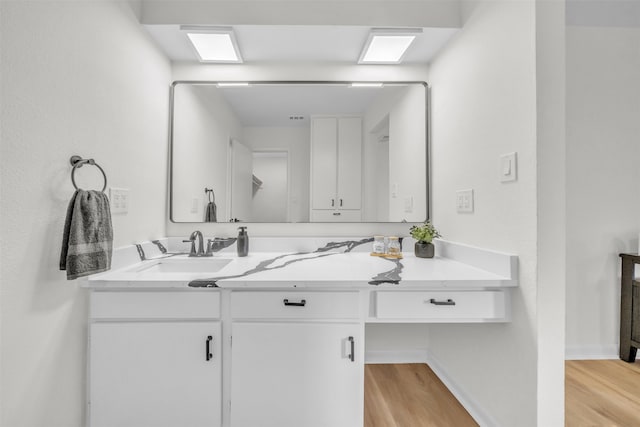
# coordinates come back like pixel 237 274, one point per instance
pixel 349 163
pixel 297 375
pixel 324 134
pixel 155 374
pixel 241 181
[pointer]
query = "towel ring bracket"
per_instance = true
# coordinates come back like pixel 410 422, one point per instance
pixel 78 162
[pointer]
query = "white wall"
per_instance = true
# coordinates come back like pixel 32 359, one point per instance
pixel 407 156
pixel 603 176
pixel 483 104
pixel 401 111
pixel 203 126
pixel 296 141
pixel 77 78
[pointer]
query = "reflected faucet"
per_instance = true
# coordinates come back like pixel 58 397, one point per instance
pixel 200 252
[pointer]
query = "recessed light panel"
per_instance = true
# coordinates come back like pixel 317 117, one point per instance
pixel 387 46
pixel 214 44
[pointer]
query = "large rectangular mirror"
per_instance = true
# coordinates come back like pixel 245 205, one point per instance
pixel 299 152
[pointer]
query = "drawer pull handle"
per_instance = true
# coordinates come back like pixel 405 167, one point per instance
pixel 447 302
pixel 352 355
pixel 302 303
pixel 209 356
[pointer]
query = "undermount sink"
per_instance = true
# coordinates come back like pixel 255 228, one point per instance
pixel 185 265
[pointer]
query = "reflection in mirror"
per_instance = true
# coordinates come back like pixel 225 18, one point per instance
pixel 299 152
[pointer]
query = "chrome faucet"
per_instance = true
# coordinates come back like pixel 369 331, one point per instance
pixel 200 252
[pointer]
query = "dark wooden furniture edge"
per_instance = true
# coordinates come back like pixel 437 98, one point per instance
pixel 628 347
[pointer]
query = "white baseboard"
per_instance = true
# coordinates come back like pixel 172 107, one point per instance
pixel 591 352
pixel 472 407
pixel 407 356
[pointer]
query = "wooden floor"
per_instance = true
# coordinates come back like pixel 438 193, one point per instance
pixel 602 393
pixel 409 395
pixel 598 393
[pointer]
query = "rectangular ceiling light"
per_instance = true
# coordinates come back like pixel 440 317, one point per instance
pixel 387 45
pixel 213 44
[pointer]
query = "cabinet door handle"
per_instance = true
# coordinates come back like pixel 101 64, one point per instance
pixel 340 202
pixel 447 302
pixel 209 356
pixel 302 303
pixel 352 355
pixel 333 202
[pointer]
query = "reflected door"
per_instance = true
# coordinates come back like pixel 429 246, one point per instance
pixel 241 181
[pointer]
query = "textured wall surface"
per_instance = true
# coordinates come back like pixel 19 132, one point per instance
pixel 77 78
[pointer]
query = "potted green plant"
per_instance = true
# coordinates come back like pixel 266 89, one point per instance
pixel 424 235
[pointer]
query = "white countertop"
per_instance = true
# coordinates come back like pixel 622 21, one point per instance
pixel 323 268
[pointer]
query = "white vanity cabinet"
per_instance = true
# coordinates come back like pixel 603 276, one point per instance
pixel 154 359
pixel 336 168
pixel 297 359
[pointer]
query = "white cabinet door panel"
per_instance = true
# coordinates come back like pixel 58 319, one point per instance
pixel 324 134
pixel 296 375
pixel 349 163
pixel 154 374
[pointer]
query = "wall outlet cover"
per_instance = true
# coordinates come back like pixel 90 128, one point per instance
pixel 464 201
pixel 119 200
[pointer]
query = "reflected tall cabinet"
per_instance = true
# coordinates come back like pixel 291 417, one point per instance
pixel 336 169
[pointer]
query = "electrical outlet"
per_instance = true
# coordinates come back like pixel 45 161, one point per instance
pixel 464 201
pixel 408 204
pixel 119 200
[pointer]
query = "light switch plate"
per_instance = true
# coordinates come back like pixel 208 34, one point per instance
pixel 508 167
pixel 464 201
pixel 408 204
pixel 119 199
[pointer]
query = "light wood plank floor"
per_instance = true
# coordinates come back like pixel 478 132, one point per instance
pixel 598 393
pixel 410 395
pixel 602 393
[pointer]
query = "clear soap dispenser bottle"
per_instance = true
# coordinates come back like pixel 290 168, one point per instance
pixel 243 242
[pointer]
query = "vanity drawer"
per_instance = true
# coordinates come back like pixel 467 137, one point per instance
pixel 295 305
pixel 342 215
pixel 442 305
pixel 154 305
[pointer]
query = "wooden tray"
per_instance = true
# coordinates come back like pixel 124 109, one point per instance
pixel 388 256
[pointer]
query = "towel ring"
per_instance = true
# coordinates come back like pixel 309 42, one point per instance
pixel 211 194
pixel 78 162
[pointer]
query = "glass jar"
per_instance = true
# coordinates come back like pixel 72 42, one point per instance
pixel 378 245
pixel 393 248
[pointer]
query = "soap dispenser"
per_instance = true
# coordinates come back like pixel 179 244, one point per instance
pixel 243 241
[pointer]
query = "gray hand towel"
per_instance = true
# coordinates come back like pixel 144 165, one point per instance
pixel 210 214
pixel 87 242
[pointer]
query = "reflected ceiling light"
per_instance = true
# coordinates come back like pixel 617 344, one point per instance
pixel 387 45
pixel 232 84
pixel 213 44
pixel 366 84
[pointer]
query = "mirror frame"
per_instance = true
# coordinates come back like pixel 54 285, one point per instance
pixel 302 82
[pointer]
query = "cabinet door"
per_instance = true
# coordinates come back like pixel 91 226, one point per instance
pixel 324 134
pixel 154 374
pixel 296 374
pixel 349 163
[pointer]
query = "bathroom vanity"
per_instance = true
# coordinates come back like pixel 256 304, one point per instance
pixel 272 339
